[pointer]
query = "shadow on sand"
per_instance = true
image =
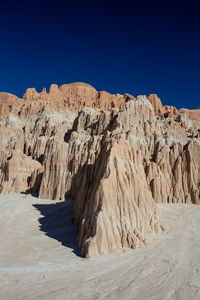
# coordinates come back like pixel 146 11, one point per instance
pixel 57 223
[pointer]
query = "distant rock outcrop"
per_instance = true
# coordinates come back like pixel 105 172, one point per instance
pixel 115 155
pixel 74 97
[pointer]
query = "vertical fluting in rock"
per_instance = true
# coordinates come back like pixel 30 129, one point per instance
pixel 114 207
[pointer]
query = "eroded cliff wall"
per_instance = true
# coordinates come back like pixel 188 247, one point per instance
pixel 115 158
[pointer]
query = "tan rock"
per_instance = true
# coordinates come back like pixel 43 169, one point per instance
pixel 31 94
pixel 114 208
pixel 167 111
pixel 17 171
pixel 157 104
pixel 55 94
pixel 9 103
pixel 115 155
pixel 192 114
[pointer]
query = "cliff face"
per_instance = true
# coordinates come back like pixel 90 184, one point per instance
pixel 115 158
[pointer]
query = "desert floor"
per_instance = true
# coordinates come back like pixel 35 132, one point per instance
pixel 39 258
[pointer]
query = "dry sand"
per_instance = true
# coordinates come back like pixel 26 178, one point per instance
pixel 39 258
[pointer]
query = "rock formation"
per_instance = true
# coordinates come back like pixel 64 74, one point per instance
pixel 115 155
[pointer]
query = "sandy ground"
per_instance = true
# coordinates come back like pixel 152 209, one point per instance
pixel 39 258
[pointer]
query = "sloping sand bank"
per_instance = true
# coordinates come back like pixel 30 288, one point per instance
pixel 39 258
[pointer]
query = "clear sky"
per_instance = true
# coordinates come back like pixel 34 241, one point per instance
pixel 138 47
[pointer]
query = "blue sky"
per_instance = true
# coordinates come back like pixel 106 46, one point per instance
pixel 138 47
